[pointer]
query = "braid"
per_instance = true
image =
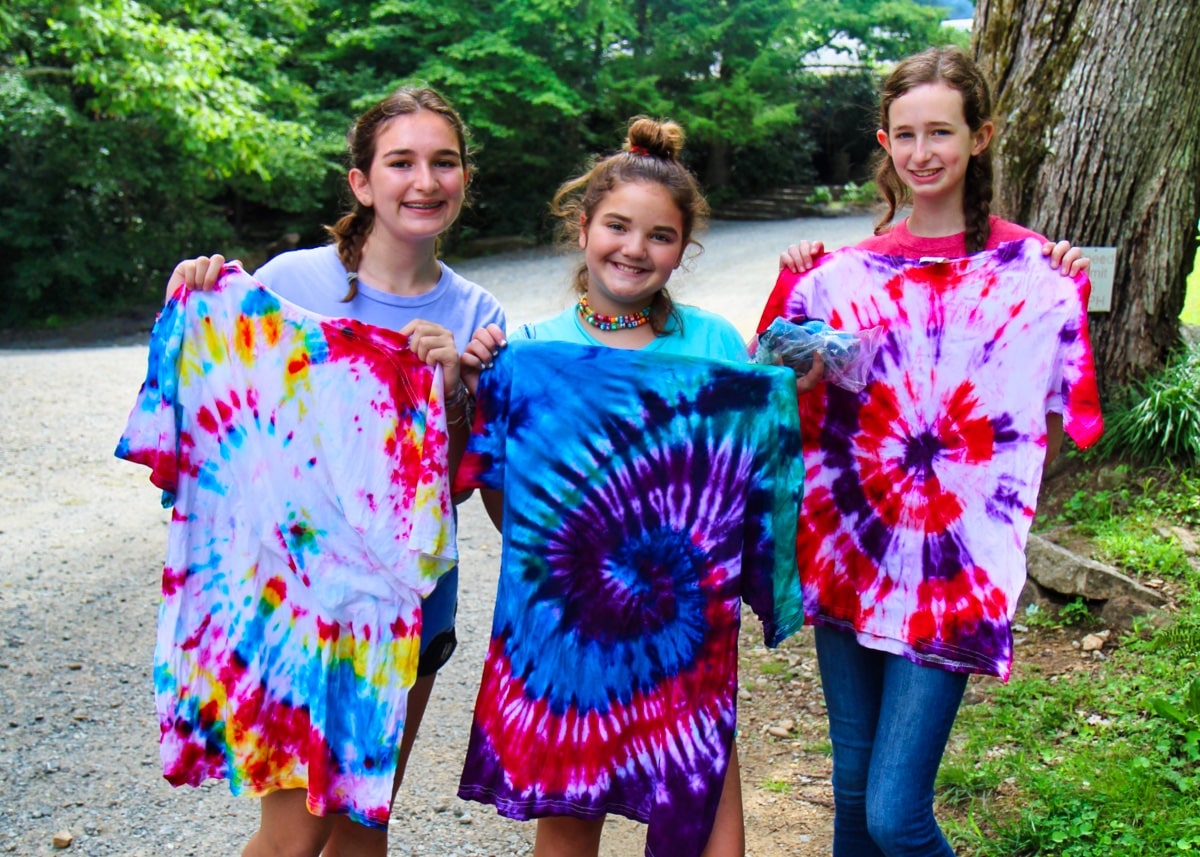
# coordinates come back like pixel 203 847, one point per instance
pixel 977 202
pixel 895 193
pixel 349 235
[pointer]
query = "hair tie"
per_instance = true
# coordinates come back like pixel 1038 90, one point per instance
pixel 640 150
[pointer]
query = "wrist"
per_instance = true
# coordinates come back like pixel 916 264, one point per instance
pixel 459 406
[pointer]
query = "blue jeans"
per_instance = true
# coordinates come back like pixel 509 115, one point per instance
pixel 889 720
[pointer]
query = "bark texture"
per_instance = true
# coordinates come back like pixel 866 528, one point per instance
pixel 1097 104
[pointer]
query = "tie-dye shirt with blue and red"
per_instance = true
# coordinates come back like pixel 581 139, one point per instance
pixel 645 496
pixel 921 488
pixel 305 462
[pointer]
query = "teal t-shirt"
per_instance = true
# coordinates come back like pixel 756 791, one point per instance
pixel 701 334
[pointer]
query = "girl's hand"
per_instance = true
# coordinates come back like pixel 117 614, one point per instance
pixel 802 256
pixel 1069 260
pixel 434 345
pixel 812 377
pixel 481 351
pixel 199 274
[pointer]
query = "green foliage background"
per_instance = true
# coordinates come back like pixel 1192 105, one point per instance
pixel 133 134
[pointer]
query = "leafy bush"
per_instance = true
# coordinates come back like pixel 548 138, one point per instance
pixel 1158 419
pixel 821 195
pixel 860 194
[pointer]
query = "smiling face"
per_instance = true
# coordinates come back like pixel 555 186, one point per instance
pixel 417 179
pixel 931 144
pixel 632 243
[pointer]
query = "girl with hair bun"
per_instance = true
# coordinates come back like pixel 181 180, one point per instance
pixel 604 444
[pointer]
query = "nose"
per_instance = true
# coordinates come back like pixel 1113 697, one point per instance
pixel 921 148
pixel 426 177
pixel 635 244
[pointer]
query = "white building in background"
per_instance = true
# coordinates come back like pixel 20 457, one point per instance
pixel 843 53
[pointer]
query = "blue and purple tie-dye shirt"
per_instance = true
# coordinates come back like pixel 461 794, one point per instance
pixel 645 496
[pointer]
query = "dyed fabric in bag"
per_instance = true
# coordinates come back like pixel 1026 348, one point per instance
pixel 644 497
pixel 306 462
pixel 921 488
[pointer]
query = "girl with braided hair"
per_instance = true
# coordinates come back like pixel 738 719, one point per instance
pixel 409 172
pixel 921 489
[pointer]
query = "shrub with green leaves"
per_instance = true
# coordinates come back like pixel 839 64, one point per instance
pixel 860 194
pixel 821 195
pixel 1158 419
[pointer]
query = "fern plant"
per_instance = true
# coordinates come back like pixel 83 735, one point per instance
pixel 1158 421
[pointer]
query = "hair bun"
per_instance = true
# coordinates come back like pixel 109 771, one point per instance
pixel 663 140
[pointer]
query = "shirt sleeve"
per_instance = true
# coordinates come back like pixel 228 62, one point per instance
pixel 151 435
pixel 781 295
pixel 1078 395
pixel 482 464
pixel 770 580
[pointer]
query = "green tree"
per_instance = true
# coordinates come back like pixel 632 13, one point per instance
pixel 138 131
pixel 127 126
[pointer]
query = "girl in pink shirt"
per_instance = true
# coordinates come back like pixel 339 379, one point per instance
pixel 920 489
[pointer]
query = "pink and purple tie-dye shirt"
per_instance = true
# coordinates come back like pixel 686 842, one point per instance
pixel 305 461
pixel 920 490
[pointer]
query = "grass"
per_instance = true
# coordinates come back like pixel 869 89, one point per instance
pixel 774 667
pixel 781 787
pixel 1127 525
pixel 1104 760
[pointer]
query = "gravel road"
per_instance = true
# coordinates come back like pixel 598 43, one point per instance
pixel 81 544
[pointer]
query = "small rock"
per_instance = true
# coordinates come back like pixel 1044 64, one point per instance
pixel 972 697
pixel 1092 643
pixel 745 694
pixel 62 839
pixel 778 732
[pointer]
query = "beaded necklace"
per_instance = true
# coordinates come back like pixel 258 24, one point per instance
pixel 612 322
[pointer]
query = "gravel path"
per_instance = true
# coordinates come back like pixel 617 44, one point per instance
pixel 81 546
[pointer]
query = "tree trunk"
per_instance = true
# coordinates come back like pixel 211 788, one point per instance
pixel 716 172
pixel 1097 104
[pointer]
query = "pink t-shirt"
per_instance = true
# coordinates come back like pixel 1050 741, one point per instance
pixel 899 241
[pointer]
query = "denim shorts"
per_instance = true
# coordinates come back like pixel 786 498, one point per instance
pixel 438 640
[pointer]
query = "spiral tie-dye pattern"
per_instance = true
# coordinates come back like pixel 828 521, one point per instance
pixel 921 488
pixel 645 496
pixel 305 463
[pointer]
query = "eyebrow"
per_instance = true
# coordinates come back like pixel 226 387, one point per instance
pixel 440 153
pixel 936 124
pixel 612 215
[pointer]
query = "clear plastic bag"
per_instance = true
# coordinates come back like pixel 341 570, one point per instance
pixel 848 356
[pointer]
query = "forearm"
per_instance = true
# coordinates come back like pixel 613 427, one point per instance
pixel 493 502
